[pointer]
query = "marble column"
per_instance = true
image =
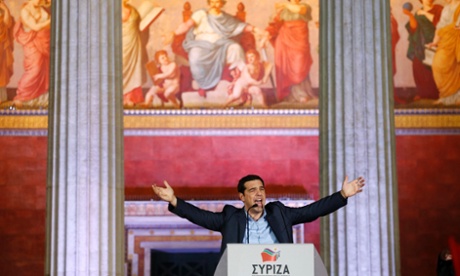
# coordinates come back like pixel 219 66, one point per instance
pixel 357 137
pixel 85 188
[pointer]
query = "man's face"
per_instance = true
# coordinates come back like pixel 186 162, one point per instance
pixel 254 194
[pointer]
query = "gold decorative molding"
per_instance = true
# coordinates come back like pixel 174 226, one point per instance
pixel 428 121
pixel 217 122
pixel 21 122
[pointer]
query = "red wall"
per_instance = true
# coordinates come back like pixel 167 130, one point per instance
pixel 22 205
pixel 429 205
pixel 213 165
pixel 427 176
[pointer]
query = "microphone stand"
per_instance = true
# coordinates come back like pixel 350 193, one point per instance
pixel 247 222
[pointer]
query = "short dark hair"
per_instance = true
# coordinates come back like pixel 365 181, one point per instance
pixel 248 178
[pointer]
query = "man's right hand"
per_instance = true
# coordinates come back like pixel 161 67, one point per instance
pixel 166 193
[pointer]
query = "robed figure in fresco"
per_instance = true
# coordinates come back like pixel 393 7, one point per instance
pixel 446 61
pixel 6 49
pixel 211 44
pixel 32 31
pixel 290 37
pixel 133 56
pixel 421 30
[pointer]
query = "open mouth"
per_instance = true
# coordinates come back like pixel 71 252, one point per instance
pixel 258 202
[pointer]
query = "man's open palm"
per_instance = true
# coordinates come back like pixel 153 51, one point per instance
pixel 166 193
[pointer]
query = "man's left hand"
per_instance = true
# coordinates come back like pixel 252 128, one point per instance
pixel 353 187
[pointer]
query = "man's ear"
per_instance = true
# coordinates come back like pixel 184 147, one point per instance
pixel 241 196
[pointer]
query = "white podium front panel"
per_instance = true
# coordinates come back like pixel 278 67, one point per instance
pixel 270 260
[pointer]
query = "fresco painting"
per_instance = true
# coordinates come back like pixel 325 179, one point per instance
pixel 228 54
pixel 427 53
pixel 233 54
pixel 28 31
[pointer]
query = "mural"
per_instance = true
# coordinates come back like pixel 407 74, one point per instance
pixel 233 54
pixel 426 48
pixel 30 30
pixel 226 54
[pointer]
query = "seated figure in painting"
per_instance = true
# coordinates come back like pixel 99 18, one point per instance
pixel 166 81
pixel 246 84
pixel 211 44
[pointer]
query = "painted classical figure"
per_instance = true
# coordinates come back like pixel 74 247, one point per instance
pixel 133 56
pixel 421 28
pixel 32 31
pixel 246 84
pixel 210 43
pixel 166 81
pixel 446 61
pixel 6 49
pixel 290 37
pixel 394 41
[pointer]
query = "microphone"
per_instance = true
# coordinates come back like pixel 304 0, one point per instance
pixel 247 222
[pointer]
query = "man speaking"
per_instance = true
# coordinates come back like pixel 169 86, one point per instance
pixel 257 222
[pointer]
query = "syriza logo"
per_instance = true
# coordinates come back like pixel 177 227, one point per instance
pixel 269 255
pixel 269 265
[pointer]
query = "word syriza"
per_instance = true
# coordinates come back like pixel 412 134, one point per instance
pixel 270 269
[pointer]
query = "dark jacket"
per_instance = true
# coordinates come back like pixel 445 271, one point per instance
pixel 231 222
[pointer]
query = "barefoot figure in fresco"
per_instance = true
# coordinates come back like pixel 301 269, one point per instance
pixel 290 37
pixel 33 33
pixel 166 81
pixel 211 44
pixel 246 84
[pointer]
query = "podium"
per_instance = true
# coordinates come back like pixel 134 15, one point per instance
pixel 270 259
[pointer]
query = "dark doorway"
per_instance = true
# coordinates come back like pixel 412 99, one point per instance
pixel 183 262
